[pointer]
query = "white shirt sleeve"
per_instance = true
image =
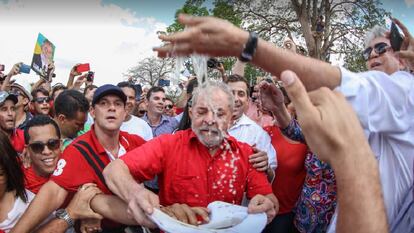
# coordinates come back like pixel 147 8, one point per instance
pixel 382 102
pixel 263 142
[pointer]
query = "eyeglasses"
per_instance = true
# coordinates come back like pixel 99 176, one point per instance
pixel 38 147
pixel 40 100
pixel 16 92
pixel 170 106
pixel 379 48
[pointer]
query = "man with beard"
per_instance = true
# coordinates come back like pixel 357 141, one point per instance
pixel 195 166
pixel 8 118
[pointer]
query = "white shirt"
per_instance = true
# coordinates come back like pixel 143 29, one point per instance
pixel 16 212
pixel 247 131
pixel 138 127
pixel 385 107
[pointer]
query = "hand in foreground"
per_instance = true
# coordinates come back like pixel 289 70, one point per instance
pixel 262 204
pixel 141 202
pixel 15 69
pixel 79 206
pixel 187 214
pixel 204 35
pixel 259 160
pixel 271 97
pixel 90 225
pixel 328 122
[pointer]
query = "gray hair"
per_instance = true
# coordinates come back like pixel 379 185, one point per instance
pixel 209 88
pixel 375 32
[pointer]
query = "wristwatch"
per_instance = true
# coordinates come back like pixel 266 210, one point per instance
pixel 64 215
pixel 249 48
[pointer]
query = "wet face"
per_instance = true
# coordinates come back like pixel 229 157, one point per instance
pixel 109 113
pixel 241 100
pixel 7 116
pixel 210 118
pixel 130 103
pixel 386 62
pixel 156 102
pixel 70 127
pixel 41 104
pixel 44 159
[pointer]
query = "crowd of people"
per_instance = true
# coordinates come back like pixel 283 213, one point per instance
pixel 315 147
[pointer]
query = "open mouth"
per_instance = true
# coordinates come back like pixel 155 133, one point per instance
pixel 111 118
pixel 375 64
pixel 48 161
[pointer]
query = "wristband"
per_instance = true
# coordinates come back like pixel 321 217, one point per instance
pixel 249 48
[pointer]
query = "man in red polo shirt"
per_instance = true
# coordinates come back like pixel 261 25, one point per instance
pixel 83 160
pixel 8 120
pixel 195 166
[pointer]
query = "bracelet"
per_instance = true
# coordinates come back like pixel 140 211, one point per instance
pixel 249 48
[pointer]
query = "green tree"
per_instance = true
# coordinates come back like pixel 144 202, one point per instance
pixel 191 7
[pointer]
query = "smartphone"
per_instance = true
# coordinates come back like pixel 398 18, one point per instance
pixel 24 69
pixel 82 68
pixel 90 76
pixel 1 67
pixel 395 37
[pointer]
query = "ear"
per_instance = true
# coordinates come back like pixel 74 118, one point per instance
pixel 61 117
pixel 190 113
pixel 92 112
pixel 25 101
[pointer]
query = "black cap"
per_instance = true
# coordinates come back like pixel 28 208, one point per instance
pixel 4 95
pixel 108 89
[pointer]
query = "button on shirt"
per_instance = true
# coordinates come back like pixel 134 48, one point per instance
pixel 189 174
pixel 385 108
pixel 167 125
pixel 247 131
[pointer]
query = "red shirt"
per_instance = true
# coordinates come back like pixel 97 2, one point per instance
pixel 73 170
pixel 17 140
pixel 32 181
pixel 290 173
pixel 187 173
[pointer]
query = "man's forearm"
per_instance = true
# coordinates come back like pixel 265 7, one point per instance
pixel 119 180
pixel 360 202
pixel 312 72
pixel 112 207
pixel 49 198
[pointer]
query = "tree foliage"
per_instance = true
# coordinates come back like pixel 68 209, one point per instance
pixel 150 70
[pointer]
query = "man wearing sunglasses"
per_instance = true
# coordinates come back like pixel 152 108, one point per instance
pixel 169 109
pixel 42 138
pixel 40 101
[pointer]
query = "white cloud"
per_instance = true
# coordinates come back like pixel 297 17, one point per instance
pixel 409 3
pixel 108 37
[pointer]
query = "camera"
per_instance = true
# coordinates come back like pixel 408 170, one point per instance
pixel 213 63
pixel 90 76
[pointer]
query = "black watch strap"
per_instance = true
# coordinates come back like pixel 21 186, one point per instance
pixel 249 48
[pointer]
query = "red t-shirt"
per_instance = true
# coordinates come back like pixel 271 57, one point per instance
pixel 188 174
pixel 73 170
pixel 17 140
pixel 290 173
pixel 32 181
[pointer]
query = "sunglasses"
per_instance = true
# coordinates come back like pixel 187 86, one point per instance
pixel 379 48
pixel 40 100
pixel 169 106
pixel 16 92
pixel 38 147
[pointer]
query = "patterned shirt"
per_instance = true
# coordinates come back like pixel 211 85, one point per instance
pixel 317 202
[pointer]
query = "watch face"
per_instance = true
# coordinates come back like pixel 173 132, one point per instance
pixel 60 212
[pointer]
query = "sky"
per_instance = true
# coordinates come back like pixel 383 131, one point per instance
pixel 111 35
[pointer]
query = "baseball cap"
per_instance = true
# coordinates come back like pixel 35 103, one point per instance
pixel 4 95
pixel 108 89
pixel 24 85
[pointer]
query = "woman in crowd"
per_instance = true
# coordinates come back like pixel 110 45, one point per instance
pixel 14 198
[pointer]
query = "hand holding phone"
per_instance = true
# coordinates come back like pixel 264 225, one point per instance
pixel 90 76
pixel 82 68
pixel 24 68
pixel 395 37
